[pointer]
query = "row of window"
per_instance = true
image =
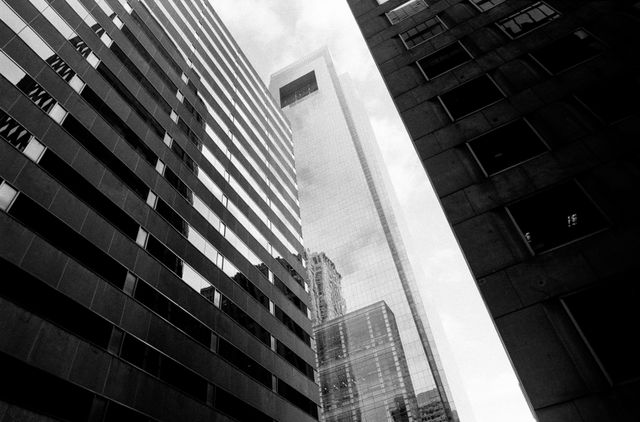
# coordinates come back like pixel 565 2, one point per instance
pixel 47 303
pixel 60 67
pixel 32 148
pixel 70 242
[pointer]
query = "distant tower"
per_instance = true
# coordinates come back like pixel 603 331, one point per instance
pixel 326 291
pixel 363 369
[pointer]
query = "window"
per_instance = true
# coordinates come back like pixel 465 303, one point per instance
pixel 610 100
pixel 470 97
pixel 298 89
pixel 607 316
pixel 174 116
pixel 444 60
pixel 506 146
pixel 422 32
pixel 568 51
pixel 527 19
pixel 485 5
pixel 556 216
pixel 406 10
pixel 244 363
pixel 7 195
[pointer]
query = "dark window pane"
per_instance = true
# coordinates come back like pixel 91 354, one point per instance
pixel 291 325
pixel 568 51
pixel 298 89
pixel 608 316
pixel 556 216
pixel 444 60
pixel 471 96
pixel 245 321
pixel 236 408
pixel 422 32
pixel 506 146
pixel 21 383
pixel 485 5
pixel 172 217
pixel 178 184
pixel 251 288
pixel 13 131
pixel 610 100
pixel 36 93
pixel 528 19
pixel 158 250
pixel 295 360
pixel 244 362
pixel 406 10
pixel 297 398
pixel 67 240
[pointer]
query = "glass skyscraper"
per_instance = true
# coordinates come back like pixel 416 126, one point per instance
pixel 150 236
pixel 346 207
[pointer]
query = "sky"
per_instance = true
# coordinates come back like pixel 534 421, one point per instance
pixel 276 33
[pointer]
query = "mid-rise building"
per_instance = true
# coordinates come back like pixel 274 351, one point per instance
pixel 149 227
pixel 525 116
pixel 327 301
pixel 348 206
pixel 363 369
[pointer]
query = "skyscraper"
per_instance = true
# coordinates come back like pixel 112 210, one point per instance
pixel 149 225
pixel 525 117
pixel 363 368
pixel 346 206
pixel 327 301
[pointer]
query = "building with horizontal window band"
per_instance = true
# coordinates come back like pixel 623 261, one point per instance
pixel 349 211
pixel 150 239
pixel 524 115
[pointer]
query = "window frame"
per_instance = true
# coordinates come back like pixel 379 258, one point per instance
pixel 530 6
pixel 580 28
pixel 437 17
pixel 584 337
pixel 386 14
pixel 579 186
pixel 533 129
pixel 480 9
pixel 471 57
pixel 446 109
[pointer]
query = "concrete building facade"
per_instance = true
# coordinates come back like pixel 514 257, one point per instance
pixel 348 206
pixel 150 233
pixel 524 116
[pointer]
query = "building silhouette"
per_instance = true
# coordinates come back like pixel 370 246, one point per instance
pixel 327 301
pixel 524 115
pixel 348 207
pixel 150 234
pixel 363 370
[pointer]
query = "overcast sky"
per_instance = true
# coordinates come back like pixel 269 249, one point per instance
pixel 275 33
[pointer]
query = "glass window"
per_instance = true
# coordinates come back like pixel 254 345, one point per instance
pixel 568 51
pixel 298 89
pixel 34 150
pixel 556 216
pixel 57 113
pixel 506 146
pixel 34 41
pixel 406 10
pixel 470 97
pixel 485 5
pixel 607 316
pixel 527 19
pixel 10 18
pixel 7 195
pixel 9 69
pixel 444 60
pixel 422 32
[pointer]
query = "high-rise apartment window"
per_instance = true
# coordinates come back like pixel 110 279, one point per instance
pixel 556 216
pixel 444 60
pixel 472 96
pixel 485 5
pixel 568 51
pixel 422 32
pixel 607 316
pixel 610 101
pixel 298 89
pixel 406 10
pixel 527 19
pixel 506 146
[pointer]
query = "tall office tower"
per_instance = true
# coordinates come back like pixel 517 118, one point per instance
pixel 327 301
pixel 524 114
pixel 143 162
pixel 363 369
pixel 346 205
